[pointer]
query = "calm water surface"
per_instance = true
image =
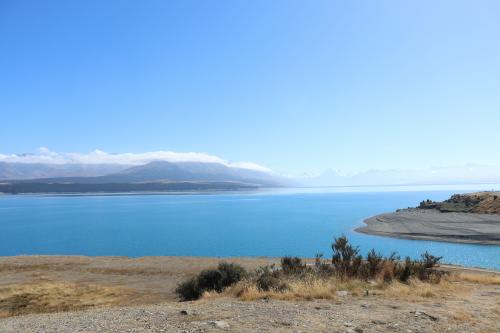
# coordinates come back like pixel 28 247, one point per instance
pixel 300 223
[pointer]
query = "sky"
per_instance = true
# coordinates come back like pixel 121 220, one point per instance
pixel 294 86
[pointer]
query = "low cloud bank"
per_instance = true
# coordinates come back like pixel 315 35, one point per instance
pixel 466 174
pixel 45 155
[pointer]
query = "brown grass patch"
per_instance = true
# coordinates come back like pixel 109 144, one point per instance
pixel 479 278
pixel 462 316
pixel 298 289
pixel 496 310
pixel 416 290
pixel 305 288
pixel 56 296
pixel 325 288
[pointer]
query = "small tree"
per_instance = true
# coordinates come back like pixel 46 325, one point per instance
pixel 405 270
pixel 374 263
pixel 292 265
pixel 345 259
pixel 430 261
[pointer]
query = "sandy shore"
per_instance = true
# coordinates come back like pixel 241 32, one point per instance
pixel 434 225
pixel 118 294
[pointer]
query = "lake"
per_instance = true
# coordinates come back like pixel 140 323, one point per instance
pixel 269 223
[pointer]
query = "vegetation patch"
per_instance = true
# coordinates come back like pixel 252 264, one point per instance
pixel 480 203
pixel 348 271
pixel 209 280
pixel 56 297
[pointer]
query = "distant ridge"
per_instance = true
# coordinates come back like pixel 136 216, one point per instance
pixel 153 176
pixel 15 171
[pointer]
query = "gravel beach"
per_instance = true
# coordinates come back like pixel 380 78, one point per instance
pixel 434 225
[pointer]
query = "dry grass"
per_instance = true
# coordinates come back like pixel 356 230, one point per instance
pixel 325 288
pixel 298 289
pixel 486 279
pixel 497 310
pixel 462 316
pixel 416 290
pixel 56 296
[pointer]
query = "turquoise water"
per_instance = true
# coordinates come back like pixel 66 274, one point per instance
pixel 300 223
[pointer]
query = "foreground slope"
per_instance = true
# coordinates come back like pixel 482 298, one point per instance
pixel 120 294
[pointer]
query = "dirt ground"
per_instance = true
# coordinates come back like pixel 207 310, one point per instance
pixel 117 294
pixel 53 283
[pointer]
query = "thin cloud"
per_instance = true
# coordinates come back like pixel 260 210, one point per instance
pixel 470 173
pixel 45 155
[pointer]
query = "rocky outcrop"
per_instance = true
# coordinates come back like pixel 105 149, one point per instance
pixel 479 203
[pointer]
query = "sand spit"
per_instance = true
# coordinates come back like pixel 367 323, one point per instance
pixel 434 225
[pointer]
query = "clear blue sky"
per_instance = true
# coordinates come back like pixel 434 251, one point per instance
pixel 292 85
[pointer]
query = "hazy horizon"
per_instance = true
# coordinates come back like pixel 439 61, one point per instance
pixel 466 174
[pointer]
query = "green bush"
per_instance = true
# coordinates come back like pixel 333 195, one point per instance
pixel 429 261
pixel 231 273
pixel 373 263
pixel 292 265
pixel 189 290
pixel 424 268
pixel 322 267
pixel 211 280
pixel 345 259
pixel 405 270
pixel 346 263
pixel 268 280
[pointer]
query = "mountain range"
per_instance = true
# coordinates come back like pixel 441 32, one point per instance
pixel 152 176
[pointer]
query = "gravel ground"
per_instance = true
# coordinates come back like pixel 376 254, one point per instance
pixel 149 305
pixel 349 314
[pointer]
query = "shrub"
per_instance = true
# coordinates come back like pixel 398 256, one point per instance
pixel 270 281
pixel 346 263
pixel 318 261
pixel 189 290
pixel 292 265
pixel 374 263
pixel 322 267
pixel 404 271
pixel 231 273
pixel 211 280
pixel 345 259
pixel 430 261
pixel 387 273
pixel 424 268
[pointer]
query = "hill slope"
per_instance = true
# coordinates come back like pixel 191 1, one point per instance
pixel 153 176
pixel 479 202
pixel 18 171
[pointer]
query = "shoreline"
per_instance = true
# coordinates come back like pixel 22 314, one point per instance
pixel 416 224
pixel 29 260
